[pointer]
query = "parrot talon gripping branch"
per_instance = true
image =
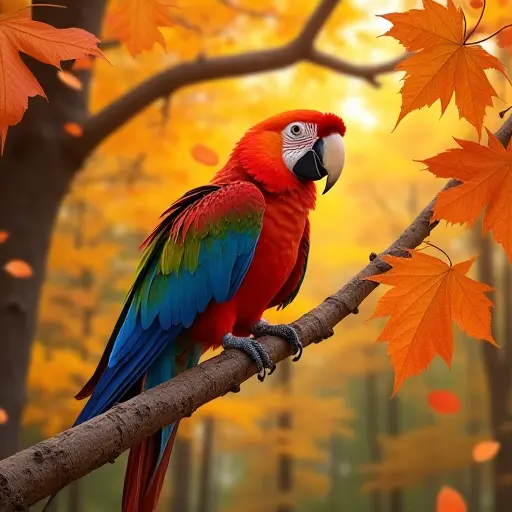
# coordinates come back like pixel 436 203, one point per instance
pixel 254 349
pixel 223 254
pixel 283 331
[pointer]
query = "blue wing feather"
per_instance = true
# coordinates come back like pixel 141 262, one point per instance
pixel 162 304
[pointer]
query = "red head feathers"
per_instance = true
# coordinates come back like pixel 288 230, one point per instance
pixel 289 151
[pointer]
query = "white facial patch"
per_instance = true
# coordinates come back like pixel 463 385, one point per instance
pixel 298 139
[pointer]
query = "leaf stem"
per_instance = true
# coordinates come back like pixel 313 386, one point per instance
pixel 439 249
pixel 491 36
pixel 477 23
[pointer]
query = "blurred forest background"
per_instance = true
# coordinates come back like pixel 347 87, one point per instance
pixel 319 436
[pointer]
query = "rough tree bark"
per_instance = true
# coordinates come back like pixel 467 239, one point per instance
pixel 41 470
pixel 40 161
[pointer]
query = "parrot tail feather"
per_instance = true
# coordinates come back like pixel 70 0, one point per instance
pixel 145 472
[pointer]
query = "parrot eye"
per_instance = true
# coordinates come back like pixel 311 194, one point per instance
pixel 295 130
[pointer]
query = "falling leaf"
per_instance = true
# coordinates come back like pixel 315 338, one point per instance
pixel 444 402
pixel 505 38
pixel 486 450
pixel 3 236
pixel 443 62
pixel 449 500
pixel 82 64
pixel 74 129
pixel 18 268
pixel 4 417
pixel 486 173
pixel 204 155
pixel 41 41
pixel 69 80
pixel 137 22
pixel 427 295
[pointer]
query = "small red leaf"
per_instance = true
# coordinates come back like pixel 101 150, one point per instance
pixel 485 450
pixel 476 4
pixel 449 500
pixel 204 155
pixel 444 402
pixel 69 80
pixel 3 236
pixel 18 268
pixel 74 129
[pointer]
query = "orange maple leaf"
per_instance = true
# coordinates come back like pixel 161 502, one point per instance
pixel 427 295
pixel 445 63
pixel 18 32
pixel 137 22
pixel 486 173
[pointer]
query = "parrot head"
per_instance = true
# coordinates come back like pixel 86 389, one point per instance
pixel 292 149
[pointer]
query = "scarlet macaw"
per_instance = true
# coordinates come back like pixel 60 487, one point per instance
pixel 223 254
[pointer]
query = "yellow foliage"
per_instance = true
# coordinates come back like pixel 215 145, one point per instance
pixel 417 454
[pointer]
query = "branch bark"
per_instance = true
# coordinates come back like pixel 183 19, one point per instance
pixel 43 469
pixel 104 123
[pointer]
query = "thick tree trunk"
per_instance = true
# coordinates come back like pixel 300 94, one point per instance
pixel 205 489
pixel 182 471
pixel 372 430
pixel 35 172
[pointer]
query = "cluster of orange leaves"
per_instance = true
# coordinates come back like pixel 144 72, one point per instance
pixel 19 33
pixel 448 499
pixel 429 294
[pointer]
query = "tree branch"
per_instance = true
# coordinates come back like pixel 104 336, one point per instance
pixel 112 117
pixel 41 470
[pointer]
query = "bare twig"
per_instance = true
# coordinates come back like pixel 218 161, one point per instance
pixel 43 469
pixel 162 85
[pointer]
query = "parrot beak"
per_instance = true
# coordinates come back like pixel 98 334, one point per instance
pixel 326 158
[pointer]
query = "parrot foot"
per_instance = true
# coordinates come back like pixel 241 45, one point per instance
pixel 283 331
pixel 254 349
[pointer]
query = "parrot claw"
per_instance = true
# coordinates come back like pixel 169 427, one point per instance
pixel 283 331
pixel 254 349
